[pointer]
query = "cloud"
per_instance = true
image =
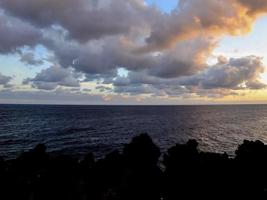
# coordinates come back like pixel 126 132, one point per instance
pixel 83 19
pixel 214 18
pixel 53 97
pixel 15 33
pixel 5 80
pixel 237 73
pixel 221 79
pixel 255 7
pixel 187 58
pixel 30 59
pixel 164 54
pixel 135 89
pixel 102 88
pixel 101 59
pixel 68 97
pixel 52 77
pixel 255 85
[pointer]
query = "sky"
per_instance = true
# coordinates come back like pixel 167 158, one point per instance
pixel 151 52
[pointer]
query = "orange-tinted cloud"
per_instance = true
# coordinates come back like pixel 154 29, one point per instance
pixel 212 18
pixel 165 54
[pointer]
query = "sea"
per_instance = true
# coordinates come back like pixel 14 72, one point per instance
pixel 78 130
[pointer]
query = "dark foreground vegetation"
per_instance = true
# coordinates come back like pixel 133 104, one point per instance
pixel 136 174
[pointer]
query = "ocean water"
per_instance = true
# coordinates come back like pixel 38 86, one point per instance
pixel 76 130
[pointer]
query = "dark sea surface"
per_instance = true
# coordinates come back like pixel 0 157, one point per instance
pixel 76 130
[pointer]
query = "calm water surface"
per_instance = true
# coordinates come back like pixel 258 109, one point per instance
pixel 76 130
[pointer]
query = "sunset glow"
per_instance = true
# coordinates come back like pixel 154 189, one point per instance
pixel 133 51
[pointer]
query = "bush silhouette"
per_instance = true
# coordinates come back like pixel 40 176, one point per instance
pixel 185 172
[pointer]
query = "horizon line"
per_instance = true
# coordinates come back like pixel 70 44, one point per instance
pixel 208 104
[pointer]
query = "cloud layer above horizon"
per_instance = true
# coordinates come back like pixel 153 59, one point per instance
pixel 121 49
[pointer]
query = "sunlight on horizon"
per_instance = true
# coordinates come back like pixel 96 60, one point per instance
pixel 115 59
